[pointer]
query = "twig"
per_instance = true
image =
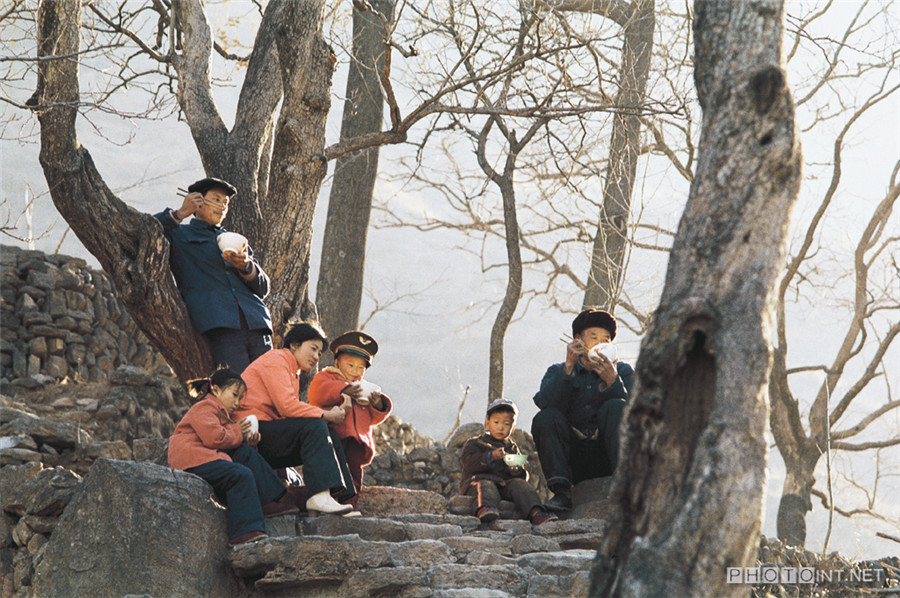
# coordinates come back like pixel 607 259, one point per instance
pixel 887 537
pixel 458 414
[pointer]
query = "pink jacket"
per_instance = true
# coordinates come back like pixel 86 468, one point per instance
pixel 273 389
pixel 203 434
pixel 325 391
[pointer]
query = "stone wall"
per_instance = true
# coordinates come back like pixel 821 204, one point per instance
pixel 60 320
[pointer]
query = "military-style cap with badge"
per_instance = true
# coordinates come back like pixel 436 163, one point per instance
pixel 355 342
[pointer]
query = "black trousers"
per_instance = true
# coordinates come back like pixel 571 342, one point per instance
pixel 308 441
pixel 488 494
pixel 244 485
pixel 567 459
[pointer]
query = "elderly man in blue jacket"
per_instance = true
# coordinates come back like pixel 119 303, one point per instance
pixel 223 291
pixel 581 402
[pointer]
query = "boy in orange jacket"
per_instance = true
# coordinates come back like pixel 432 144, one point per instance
pixel 343 385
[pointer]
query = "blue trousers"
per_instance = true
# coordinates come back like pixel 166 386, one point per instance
pixel 244 485
pixel 567 459
pixel 237 348
pixel 310 442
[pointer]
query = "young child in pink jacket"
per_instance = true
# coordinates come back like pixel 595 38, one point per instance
pixel 209 443
pixel 366 405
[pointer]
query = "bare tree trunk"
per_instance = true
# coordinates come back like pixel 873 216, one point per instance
pixel 278 171
pixel 604 282
pixel 130 246
pixel 692 470
pixel 513 288
pixel 340 285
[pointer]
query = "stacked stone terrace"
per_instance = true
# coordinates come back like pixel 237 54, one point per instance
pixel 61 320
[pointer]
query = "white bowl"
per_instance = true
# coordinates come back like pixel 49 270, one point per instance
pixel 606 349
pixel 367 389
pixel 231 242
pixel 515 460
pixel 254 423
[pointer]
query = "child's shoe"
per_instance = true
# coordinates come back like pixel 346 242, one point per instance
pixel 543 517
pixel 323 502
pixel 272 509
pixel 488 514
pixel 247 538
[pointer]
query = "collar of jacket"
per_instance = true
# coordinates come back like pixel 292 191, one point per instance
pixel 204 227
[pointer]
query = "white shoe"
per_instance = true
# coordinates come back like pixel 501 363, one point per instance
pixel 322 502
pixel 352 514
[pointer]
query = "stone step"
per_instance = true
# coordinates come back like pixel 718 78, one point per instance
pixel 348 565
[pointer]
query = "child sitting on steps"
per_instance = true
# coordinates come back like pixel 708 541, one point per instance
pixel 365 404
pixel 209 443
pixel 486 475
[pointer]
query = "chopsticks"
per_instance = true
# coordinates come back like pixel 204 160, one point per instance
pixel 183 192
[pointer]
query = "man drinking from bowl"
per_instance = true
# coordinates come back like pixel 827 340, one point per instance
pixel 581 402
pixel 222 287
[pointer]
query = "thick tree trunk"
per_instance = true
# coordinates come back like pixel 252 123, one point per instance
pixel 274 209
pixel 130 246
pixel 692 470
pixel 297 169
pixel 604 282
pixel 340 285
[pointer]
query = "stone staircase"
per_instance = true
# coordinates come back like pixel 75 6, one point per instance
pixel 418 555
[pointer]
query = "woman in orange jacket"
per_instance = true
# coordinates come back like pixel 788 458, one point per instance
pixel 209 443
pixel 294 432
pixel 340 386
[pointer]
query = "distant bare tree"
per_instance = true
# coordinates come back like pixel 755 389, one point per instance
pixel 855 371
pixel 691 477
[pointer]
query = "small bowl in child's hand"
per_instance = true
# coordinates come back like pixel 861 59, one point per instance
pixel 515 460
pixel 367 389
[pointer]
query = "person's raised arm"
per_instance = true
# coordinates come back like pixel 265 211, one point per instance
pixel 170 219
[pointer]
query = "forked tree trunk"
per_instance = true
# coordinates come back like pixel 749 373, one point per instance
pixel 130 246
pixel 278 169
pixel 692 470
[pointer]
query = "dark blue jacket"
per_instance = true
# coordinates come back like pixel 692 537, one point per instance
pixel 579 395
pixel 212 288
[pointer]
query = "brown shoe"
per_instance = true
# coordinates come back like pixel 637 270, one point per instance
pixel 488 514
pixel 543 517
pixel 247 538
pixel 272 509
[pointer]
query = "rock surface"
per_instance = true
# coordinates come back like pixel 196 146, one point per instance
pixel 139 529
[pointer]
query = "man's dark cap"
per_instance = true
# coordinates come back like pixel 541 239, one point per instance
pixel 204 185
pixel 590 318
pixel 355 342
pixel 504 404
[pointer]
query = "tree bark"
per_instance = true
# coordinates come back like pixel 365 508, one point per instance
pixel 278 171
pixel 604 282
pixel 130 246
pixel 340 286
pixel 691 476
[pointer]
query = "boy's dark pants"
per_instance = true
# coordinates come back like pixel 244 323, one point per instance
pixel 355 451
pixel 244 485
pixel 488 494
pixel 567 459
pixel 308 441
